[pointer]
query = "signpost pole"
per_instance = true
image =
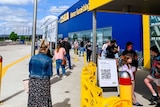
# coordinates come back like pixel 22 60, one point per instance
pixel 94 37
pixel 34 28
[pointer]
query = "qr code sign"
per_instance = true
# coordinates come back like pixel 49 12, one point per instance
pixel 105 74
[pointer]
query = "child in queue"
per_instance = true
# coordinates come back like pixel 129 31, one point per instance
pixel 127 60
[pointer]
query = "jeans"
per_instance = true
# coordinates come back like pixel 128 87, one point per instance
pixel 58 64
pixel 81 51
pixel 89 53
pixel 69 60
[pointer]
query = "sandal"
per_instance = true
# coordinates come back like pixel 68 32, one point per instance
pixel 137 104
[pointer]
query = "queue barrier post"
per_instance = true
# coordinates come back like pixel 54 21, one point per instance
pixel 76 56
pixel 125 87
pixel 91 94
pixel 85 59
pixel 1 60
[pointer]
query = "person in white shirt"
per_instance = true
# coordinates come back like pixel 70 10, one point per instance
pixel 103 55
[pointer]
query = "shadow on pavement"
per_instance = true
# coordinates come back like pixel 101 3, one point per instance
pixel 56 79
pixel 8 98
pixel 63 104
pixel 68 73
pixel 67 67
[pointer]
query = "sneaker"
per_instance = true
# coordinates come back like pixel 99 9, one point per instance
pixel 137 104
pixel 64 76
pixel 153 98
pixel 58 76
pixel 153 103
pixel 71 68
pixel 158 105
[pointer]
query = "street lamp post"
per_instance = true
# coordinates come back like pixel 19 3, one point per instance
pixel 94 36
pixel 34 28
pixel 4 31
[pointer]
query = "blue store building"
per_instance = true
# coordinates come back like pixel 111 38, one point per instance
pixel 76 23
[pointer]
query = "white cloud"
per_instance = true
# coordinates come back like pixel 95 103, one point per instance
pixel 58 10
pixel 16 2
pixel 13 14
pixel 11 17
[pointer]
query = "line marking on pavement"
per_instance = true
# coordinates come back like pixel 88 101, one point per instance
pixel 4 69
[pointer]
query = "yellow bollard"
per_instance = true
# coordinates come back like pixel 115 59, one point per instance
pixel 0 75
pixel 125 87
pixel 91 94
pixel 113 101
pixel 76 56
pixel 85 59
pixel 0 71
pixel 108 102
pixel 54 64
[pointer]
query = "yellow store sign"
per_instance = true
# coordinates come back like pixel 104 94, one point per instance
pixel 68 15
pixel 64 17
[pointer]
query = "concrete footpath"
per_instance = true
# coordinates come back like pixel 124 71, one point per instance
pixel 65 91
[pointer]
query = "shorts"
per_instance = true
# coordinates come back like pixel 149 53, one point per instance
pixel 155 80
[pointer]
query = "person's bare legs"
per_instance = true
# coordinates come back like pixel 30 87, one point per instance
pixel 134 100
pixel 158 89
pixel 148 81
pixel 133 94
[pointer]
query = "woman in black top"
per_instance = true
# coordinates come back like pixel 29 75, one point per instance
pixel 89 51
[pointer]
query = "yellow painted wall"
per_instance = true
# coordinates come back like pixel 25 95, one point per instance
pixel 93 4
pixel 146 40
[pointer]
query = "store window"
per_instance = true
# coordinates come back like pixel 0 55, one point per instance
pixel 107 32
pixel 102 35
pixel 60 36
pixel 155 31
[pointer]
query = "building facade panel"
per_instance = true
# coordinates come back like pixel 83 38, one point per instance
pixel 122 27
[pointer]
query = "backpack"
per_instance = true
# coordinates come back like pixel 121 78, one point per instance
pixel 109 52
pixel 155 68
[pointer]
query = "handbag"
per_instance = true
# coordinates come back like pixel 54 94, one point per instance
pixel 26 85
pixel 64 61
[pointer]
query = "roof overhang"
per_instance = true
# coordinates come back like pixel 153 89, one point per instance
pixel 149 7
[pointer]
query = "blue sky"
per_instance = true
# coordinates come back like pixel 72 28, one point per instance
pixel 17 13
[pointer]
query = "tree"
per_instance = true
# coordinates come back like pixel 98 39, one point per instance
pixel 13 36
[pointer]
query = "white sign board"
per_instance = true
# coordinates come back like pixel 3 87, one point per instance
pixel 52 31
pixel 107 73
